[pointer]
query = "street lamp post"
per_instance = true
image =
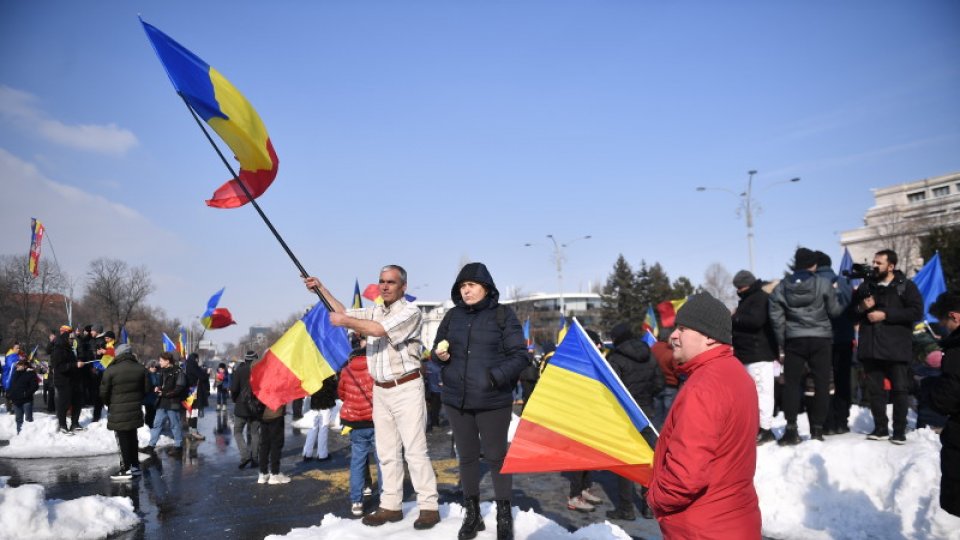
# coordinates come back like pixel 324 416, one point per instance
pixel 748 205
pixel 558 258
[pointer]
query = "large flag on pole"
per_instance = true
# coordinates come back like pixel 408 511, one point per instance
pixel 207 318
pixel 581 417
pixel 225 109
pixel 36 239
pixel 297 364
pixel 221 318
pixel 668 311
pixel 182 343
pixel 931 283
pixel 124 338
pixel 168 344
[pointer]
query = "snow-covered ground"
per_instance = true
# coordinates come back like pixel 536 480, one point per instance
pixel 846 487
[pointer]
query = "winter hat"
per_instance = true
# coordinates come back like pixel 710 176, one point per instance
pixel 620 333
pixel 66 328
pixel 707 315
pixel 594 337
pixel 250 355
pixel 934 359
pixel 804 258
pixel 109 335
pixel 743 279
pixel 121 350
pixel 823 260
pixel 944 304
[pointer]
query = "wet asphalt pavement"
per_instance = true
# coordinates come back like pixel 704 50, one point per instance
pixel 205 494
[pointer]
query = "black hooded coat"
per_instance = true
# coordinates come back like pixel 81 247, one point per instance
pixel 487 350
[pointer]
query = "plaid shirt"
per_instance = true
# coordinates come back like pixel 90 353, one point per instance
pixel 398 353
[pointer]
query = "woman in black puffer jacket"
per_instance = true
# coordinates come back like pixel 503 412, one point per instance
pixel 481 346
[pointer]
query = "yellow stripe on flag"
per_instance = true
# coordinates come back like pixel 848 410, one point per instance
pixel 296 350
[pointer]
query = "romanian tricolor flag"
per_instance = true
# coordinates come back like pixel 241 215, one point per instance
pixel 36 239
pixel 221 318
pixel 649 338
pixel 168 344
pixel 357 299
pixel 191 397
pixel 182 343
pixel 581 417
pixel 297 364
pixel 225 109
pixel 372 293
pixel 650 322
pixel 124 338
pixel 107 357
pixel 562 331
pixel 207 318
pixel 10 360
pixel 668 311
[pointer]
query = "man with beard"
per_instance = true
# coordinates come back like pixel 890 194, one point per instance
pixel 886 306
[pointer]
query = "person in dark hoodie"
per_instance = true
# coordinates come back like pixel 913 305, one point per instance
pixel 66 380
pixel 886 306
pixel 755 345
pixel 632 362
pixel 23 384
pixel 198 378
pixel 800 310
pixel 838 415
pixel 122 388
pixel 483 351
pixel 945 398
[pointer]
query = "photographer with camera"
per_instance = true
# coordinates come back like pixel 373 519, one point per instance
pixel 886 306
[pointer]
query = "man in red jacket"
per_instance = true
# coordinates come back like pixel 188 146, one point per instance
pixel 706 456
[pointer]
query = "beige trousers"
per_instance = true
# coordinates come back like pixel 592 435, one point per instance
pixel 400 420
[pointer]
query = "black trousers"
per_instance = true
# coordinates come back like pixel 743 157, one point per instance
pixel 474 430
pixel 579 481
pixel 433 409
pixel 899 375
pixel 127 441
pixel 297 408
pixel 814 354
pixel 271 443
pixel 93 394
pixel 68 396
pixel 839 414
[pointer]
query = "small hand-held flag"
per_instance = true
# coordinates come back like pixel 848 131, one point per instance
pixel 124 338
pixel 357 299
pixel 36 239
pixel 581 417
pixel 182 343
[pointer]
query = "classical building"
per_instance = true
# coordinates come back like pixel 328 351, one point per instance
pixel 901 215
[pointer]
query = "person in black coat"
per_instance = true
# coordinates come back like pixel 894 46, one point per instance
pixel 122 389
pixel 640 373
pixel 23 384
pixel 755 344
pixel 246 423
pixel 483 351
pixel 67 379
pixel 172 390
pixel 945 398
pixel 886 307
pixel 197 377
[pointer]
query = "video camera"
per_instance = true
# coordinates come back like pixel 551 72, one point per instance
pixel 861 271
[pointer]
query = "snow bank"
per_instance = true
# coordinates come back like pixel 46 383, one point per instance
pixel 42 439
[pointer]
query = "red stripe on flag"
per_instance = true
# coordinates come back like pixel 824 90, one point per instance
pixel 273 383
pixel 532 441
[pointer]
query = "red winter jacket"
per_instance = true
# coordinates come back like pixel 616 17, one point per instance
pixel 706 456
pixel 356 391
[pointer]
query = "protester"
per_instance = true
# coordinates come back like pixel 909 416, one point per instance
pixel 399 409
pixel 150 400
pixel 272 425
pixel 582 496
pixel 945 398
pixel 323 401
pixel 246 420
pixel 630 360
pixel 800 310
pixel 222 384
pixel 23 385
pixel 706 456
pixel 886 306
pixel 356 414
pixel 482 344
pixel 172 389
pixel 67 379
pixel 199 381
pixel 122 388
pixel 755 344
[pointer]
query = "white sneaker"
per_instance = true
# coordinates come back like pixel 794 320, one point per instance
pixel 367 491
pixel 580 505
pixel 588 496
pixel 263 478
pixel 356 509
pixel 279 478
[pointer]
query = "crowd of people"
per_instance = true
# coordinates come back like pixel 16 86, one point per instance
pixel 711 385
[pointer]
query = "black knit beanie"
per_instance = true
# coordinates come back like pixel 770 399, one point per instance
pixel 707 315
pixel 804 258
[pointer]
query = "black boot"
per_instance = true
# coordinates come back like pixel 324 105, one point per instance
pixel 790 436
pixel 504 521
pixel 816 433
pixel 473 521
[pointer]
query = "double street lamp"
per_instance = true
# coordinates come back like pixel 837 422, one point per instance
pixel 748 205
pixel 559 257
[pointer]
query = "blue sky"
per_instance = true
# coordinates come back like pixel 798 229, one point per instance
pixel 425 133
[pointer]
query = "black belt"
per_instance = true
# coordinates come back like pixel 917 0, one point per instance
pixel 397 382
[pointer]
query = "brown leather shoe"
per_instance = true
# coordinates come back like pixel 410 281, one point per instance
pixel 427 519
pixel 381 516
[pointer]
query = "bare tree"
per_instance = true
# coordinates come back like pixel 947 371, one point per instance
pixel 29 301
pixel 718 282
pixel 117 290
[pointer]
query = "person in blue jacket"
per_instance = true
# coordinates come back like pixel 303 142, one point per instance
pixel 482 349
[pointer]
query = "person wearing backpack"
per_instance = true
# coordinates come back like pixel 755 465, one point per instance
pixel 482 349
pixel 246 413
pixel 886 306
pixel 172 389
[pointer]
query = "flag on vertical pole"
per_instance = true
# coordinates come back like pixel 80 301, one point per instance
pixel 207 318
pixel 357 298
pixel 649 338
pixel 36 239
pixel 931 283
pixel 124 338
pixel 668 311
pixel 168 344
pixel 846 265
pixel 650 322
pixel 182 343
